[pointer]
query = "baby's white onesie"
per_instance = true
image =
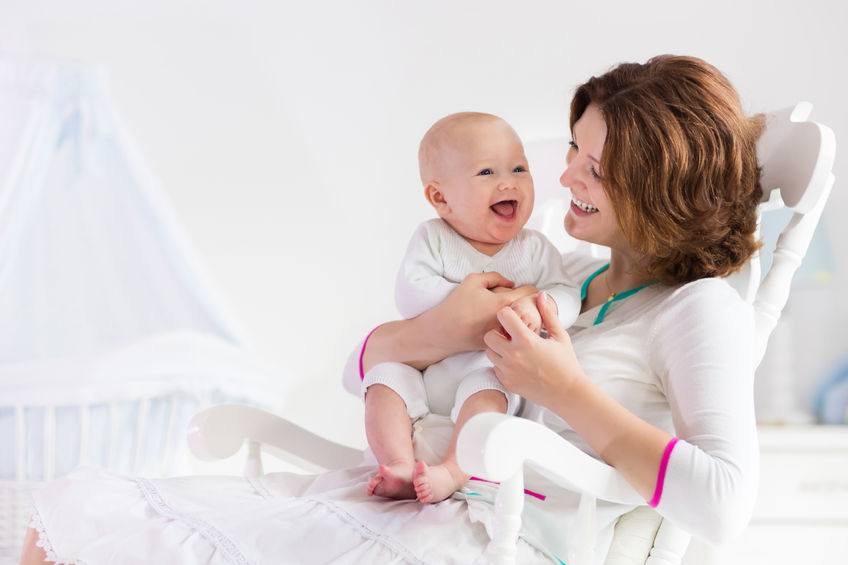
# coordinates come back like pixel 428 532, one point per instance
pixel 437 260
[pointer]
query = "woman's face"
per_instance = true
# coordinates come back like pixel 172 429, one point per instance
pixel 590 217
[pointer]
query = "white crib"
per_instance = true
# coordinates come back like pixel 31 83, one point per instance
pixel 112 334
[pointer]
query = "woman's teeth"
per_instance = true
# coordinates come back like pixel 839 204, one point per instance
pixel 584 206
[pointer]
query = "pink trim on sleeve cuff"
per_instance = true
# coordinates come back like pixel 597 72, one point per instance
pixel 655 500
pixel 362 353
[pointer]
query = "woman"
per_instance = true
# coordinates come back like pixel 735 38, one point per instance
pixel 655 377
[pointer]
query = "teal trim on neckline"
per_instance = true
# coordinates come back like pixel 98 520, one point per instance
pixel 585 288
pixel 620 296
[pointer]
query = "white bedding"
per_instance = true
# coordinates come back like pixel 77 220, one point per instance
pixel 229 520
pixel 284 518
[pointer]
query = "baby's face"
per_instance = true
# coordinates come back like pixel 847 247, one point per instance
pixel 486 183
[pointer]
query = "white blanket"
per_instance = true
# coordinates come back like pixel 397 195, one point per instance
pixel 94 517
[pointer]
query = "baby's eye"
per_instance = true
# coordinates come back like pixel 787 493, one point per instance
pixel 486 172
pixel 520 169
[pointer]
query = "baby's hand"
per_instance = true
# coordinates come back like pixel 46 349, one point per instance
pixel 527 311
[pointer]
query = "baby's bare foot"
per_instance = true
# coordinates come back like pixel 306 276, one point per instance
pixel 393 481
pixel 436 483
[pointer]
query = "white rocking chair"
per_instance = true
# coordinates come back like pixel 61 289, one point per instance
pixel 797 158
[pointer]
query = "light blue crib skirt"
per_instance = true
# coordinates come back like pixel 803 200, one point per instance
pixel 140 436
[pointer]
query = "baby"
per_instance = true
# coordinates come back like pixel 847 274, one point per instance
pixel 476 176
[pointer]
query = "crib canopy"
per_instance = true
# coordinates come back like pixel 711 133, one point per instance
pixel 101 293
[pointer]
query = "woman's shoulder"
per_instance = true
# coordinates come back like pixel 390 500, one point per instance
pixel 703 300
pixel 708 290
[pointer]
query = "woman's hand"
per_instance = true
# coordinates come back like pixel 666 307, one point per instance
pixel 541 370
pixel 470 311
pixel 546 372
pixel 457 324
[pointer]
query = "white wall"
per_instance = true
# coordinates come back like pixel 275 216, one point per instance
pixel 286 133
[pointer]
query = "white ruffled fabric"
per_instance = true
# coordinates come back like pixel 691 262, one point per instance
pixel 94 517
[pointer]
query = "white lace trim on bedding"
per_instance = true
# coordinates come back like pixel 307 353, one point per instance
pixel 44 542
pixel 229 549
pixel 367 532
pixel 224 544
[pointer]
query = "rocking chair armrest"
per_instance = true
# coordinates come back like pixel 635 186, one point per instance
pixel 220 431
pixel 495 447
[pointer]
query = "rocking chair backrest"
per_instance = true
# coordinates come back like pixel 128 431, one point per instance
pixel 796 156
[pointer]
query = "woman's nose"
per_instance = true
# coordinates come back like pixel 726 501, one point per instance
pixel 565 178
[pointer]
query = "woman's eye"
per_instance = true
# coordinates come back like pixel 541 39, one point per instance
pixel 486 172
pixel 572 148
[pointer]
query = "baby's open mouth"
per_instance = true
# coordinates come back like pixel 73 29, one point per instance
pixel 505 208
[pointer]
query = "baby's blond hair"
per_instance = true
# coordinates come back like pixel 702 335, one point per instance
pixel 439 138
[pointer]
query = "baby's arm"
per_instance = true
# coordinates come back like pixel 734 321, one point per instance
pixel 552 278
pixel 567 300
pixel 420 282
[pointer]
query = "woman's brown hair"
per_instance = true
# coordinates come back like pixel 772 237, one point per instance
pixel 679 165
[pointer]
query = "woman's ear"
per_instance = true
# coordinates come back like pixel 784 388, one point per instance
pixel 435 197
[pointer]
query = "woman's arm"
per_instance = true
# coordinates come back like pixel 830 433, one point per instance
pixel 707 372
pixel 700 350
pixel 455 325
pixel 546 372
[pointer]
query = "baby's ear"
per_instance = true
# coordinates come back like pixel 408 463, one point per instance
pixel 435 197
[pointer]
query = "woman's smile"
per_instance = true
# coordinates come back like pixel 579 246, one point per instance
pixel 583 206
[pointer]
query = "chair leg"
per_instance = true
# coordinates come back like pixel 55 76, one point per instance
pixel 583 552
pixel 509 504
pixel 253 464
